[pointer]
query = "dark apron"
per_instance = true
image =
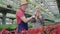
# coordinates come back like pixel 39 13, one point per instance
pixel 22 26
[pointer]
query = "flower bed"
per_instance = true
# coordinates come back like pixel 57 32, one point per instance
pixel 50 29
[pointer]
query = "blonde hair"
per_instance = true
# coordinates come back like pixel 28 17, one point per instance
pixel 38 6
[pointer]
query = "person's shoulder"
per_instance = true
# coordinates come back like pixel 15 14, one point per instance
pixel 18 11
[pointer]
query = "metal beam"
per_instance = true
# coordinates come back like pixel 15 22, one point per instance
pixel 4 18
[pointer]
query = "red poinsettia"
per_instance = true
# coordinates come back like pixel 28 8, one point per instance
pixel 57 29
pixel 4 31
pixel 48 28
pixel 40 30
pixel 32 31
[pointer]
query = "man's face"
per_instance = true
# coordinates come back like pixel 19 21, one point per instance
pixel 25 6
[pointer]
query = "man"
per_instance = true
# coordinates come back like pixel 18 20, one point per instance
pixel 21 17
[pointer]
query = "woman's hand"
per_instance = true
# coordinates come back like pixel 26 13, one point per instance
pixel 37 13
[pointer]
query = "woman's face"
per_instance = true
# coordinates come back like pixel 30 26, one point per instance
pixel 37 8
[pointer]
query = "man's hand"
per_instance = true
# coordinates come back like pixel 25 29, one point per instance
pixel 33 16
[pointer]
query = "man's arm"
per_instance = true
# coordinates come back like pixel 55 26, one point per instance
pixel 23 18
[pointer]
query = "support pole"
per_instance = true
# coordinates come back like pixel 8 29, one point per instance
pixel 4 18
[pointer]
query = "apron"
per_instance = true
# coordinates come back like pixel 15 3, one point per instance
pixel 22 26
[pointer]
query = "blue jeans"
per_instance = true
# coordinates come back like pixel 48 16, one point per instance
pixel 22 26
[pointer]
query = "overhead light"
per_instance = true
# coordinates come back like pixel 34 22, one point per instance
pixel 42 4
pixel 55 1
pixel 50 12
pixel 47 9
pixel 52 6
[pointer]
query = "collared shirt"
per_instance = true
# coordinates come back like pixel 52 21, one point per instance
pixel 19 13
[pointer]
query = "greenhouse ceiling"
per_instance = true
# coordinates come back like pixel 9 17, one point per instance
pixel 44 7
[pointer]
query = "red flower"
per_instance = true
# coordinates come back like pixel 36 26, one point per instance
pixel 3 31
pixel 31 31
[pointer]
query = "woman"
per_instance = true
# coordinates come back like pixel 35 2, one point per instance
pixel 39 15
